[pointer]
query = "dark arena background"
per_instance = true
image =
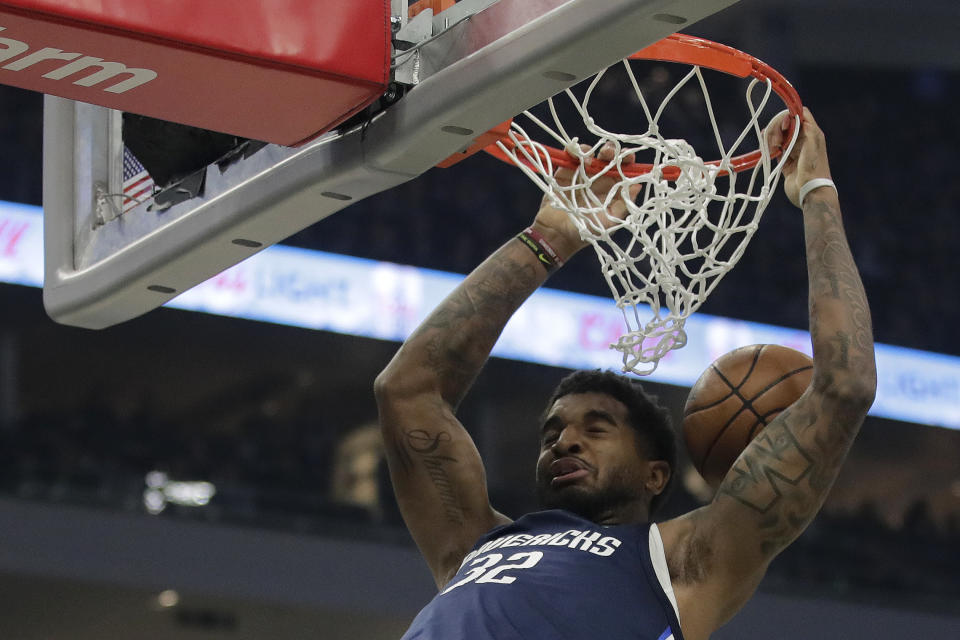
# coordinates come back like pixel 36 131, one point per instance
pixel 187 475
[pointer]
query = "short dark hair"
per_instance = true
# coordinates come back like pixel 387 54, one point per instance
pixel 647 416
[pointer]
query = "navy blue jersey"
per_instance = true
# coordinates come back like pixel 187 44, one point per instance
pixel 552 575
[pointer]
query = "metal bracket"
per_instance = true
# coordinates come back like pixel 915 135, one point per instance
pixel 417 30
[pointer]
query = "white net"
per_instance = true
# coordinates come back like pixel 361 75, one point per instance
pixel 688 221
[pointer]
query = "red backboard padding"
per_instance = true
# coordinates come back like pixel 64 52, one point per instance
pixel 283 71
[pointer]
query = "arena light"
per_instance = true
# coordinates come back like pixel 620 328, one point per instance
pixel 168 598
pixel 353 296
pixel 161 490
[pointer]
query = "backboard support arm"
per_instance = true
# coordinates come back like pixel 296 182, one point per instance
pixel 124 267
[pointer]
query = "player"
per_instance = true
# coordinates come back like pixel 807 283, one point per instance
pixel 592 565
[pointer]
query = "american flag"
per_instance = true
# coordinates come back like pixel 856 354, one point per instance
pixel 137 183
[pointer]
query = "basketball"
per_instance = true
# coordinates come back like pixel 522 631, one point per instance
pixel 735 398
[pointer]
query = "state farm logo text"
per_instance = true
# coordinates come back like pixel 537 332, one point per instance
pixel 87 71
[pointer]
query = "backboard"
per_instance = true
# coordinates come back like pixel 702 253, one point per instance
pixel 457 74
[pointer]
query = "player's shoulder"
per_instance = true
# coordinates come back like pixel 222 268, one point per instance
pixel 500 520
pixel 686 545
pixel 451 563
pixel 712 571
pixel 680 526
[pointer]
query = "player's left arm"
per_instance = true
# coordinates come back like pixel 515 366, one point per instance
pixel 718 554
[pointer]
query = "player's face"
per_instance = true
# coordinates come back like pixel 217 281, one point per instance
pixel 590 462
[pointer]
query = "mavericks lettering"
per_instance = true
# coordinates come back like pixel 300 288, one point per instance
pixel 590 541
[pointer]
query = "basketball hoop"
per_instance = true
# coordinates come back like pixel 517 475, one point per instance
pixel 693 218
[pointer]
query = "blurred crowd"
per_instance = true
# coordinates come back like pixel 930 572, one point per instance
pixel 321 481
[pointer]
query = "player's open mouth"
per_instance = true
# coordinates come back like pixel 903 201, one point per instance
pixel 567 470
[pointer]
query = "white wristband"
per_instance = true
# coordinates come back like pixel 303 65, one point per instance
pixel 816 183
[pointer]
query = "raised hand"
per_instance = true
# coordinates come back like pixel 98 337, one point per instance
pixel 555 224
pixel 807 161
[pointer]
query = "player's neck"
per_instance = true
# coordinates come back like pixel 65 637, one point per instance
pixel 632 513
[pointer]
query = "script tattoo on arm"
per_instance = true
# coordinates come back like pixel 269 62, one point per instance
pixel 446 353
pixel 425 445
pixel 436 470
pixel 784 475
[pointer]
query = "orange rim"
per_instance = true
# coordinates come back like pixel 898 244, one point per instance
pixel 694 51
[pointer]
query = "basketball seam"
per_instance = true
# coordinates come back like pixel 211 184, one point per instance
pixel 781 379
pixel 729 384
pixel 747 402
pixel 762 419
pixel 734 390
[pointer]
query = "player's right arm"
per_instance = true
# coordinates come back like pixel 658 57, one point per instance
pixel 437 473
pixel 435 468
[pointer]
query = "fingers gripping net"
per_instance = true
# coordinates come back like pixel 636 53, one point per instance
pixel 665 232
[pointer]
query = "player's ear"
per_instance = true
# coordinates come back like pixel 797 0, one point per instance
pixel 658 475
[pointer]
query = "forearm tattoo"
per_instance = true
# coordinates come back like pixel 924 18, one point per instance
pixel 839 314
pixel 457 337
